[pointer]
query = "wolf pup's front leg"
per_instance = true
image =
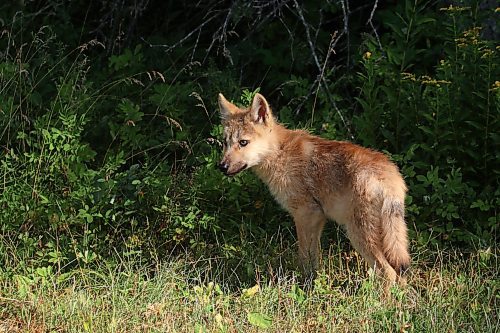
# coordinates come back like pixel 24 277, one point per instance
pixel 309 221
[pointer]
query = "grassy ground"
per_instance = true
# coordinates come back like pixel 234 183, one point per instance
pixel 447 292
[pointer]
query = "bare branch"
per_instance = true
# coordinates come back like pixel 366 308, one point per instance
pixel 169 48
pixel 320 80
pixel 370 22
pixel 276 11
pixel 221 35
pixel 290 35
pixel 346 13
pixel 195 45
pixel 308 34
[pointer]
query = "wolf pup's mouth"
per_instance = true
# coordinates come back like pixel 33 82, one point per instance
pixel 230 174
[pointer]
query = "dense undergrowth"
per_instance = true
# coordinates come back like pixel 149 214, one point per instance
pixel 110 135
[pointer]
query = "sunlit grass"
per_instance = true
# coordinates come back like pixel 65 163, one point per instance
pixel 447 292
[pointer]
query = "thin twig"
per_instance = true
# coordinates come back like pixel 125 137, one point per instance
pixel 370 22
pixel 308 34
pixel 13 300
pixel 168 48
pixel 320 24
pixel 330 51
pixel 321 79
pixel 290 35
pixel 261 22
pixel 346 12
pixel 221 35
pixel 195 45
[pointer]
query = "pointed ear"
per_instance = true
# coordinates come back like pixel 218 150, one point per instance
pixel 227 109
pixel 261 112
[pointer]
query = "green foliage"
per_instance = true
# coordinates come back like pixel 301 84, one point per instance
pixel 247 96
pixel 441 124
pixel 259 320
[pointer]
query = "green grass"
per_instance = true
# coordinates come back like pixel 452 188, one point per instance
pixel 447 292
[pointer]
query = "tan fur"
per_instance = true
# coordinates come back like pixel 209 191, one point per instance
pixel 316 179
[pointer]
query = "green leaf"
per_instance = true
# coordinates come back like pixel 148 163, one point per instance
pixel 422 178
pixel 297 294
pixel 250 292
pixel 424 20
pixel 199 328
pixel 259 319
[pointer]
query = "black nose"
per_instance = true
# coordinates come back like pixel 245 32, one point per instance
pixel 223 167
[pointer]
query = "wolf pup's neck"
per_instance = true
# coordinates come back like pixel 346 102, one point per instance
pixel 275 160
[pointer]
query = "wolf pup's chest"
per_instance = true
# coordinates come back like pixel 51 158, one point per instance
pixel 287 186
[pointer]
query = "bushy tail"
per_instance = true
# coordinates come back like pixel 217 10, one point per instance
pixel 395 235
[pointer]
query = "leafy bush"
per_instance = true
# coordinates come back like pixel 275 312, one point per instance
pixel 443 124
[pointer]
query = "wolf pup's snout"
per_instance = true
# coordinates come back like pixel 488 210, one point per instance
pixel 223 166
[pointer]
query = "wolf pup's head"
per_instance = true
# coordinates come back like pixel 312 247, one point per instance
pixel 247 134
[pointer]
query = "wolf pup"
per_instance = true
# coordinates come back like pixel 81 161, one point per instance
pixel 316 179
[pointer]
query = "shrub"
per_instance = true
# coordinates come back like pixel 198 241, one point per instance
pixel 442 123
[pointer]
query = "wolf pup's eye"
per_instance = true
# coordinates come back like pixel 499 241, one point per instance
pixel 243 143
